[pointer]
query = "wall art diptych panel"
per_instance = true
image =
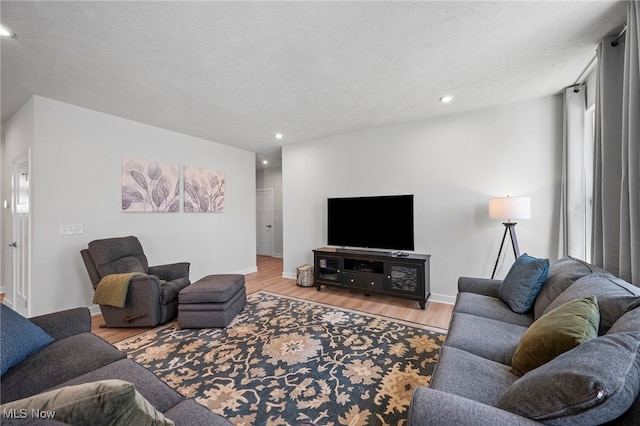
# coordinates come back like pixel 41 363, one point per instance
pixel 203 190
pixel 150 186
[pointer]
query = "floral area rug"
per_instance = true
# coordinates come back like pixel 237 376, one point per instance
pixel 286 361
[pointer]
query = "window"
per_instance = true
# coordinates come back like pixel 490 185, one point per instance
pixel 589 138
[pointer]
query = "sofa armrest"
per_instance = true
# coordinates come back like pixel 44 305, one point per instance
pixel 483 286
pixel 170 271
pixel 433 407
pixel 64 323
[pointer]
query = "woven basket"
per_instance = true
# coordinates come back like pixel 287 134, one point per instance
pixel 304 276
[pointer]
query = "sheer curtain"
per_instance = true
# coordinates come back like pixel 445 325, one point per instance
pixel 573 201
pixel 616 204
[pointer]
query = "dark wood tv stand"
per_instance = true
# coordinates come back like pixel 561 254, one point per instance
pixel 405 276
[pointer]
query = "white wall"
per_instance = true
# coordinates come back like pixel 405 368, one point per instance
pixel 453 165
pixel 76 178
pixel 272 178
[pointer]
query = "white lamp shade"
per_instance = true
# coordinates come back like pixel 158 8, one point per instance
pixel 509 208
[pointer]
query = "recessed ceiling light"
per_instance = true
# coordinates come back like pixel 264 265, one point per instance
pixel 278 135
pixel 265 162
pixel 446 99
pixel 6 32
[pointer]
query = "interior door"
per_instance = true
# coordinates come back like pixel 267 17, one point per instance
pixel 264 221
pixel 21 215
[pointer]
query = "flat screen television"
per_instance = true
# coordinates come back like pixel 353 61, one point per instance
pixel 383 222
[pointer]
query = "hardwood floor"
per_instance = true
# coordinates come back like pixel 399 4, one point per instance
pixel 269 277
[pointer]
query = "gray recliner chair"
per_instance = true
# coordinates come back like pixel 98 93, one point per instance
pixel 152 297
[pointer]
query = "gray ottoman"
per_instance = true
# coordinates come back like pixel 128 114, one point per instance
pixel 212 301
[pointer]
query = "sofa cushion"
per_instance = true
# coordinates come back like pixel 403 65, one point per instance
pixel 19 338
pixel 108 402
pixel 615 297
pixel 592 384
pixel 62 360
pixel 628 322
pixel 490 307
pixel 562 273
pixel 629 417
pixel 560 330
pixel 464 374
pixel 148 384
pixel 431 407
pixel 485 337
pixel 522 284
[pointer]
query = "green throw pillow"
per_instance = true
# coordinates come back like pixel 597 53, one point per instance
pixel 105 402
pixel 556 332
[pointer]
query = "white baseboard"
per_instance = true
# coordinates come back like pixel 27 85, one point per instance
pixel 94 309
pixel 442 298
pixel 246 271
pixel 289 275
pixel 276 255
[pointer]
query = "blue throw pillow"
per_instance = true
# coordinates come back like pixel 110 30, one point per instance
pixel 19 338
pixel 523 282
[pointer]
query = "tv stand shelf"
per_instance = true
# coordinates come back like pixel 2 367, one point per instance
pixel 374 272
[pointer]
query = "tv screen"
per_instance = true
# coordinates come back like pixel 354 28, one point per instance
pixel 384 222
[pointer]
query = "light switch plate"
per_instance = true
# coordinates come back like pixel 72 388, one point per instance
pixel 71 229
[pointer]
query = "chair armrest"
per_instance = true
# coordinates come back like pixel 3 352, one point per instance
pixel 483 286
pixel 171 271
pixel 145 289
pixel 64 323
pixel 433 407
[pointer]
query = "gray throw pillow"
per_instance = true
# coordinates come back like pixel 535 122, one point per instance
pixel 562 273
pixel 520 287
pixel 594 383
pixel 628 322
pixel 615 297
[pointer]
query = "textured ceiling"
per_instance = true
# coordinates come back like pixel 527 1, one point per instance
pixel 238 72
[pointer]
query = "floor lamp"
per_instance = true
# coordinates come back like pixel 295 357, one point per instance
pixel 508 209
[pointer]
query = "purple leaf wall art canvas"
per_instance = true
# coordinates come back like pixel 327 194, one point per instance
pixel 203 190
pixel 150 186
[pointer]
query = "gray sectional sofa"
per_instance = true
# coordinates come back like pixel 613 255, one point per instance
pixel 596 382
pixel 77 356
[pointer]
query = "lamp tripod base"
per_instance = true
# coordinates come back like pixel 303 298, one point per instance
pixel 511 228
